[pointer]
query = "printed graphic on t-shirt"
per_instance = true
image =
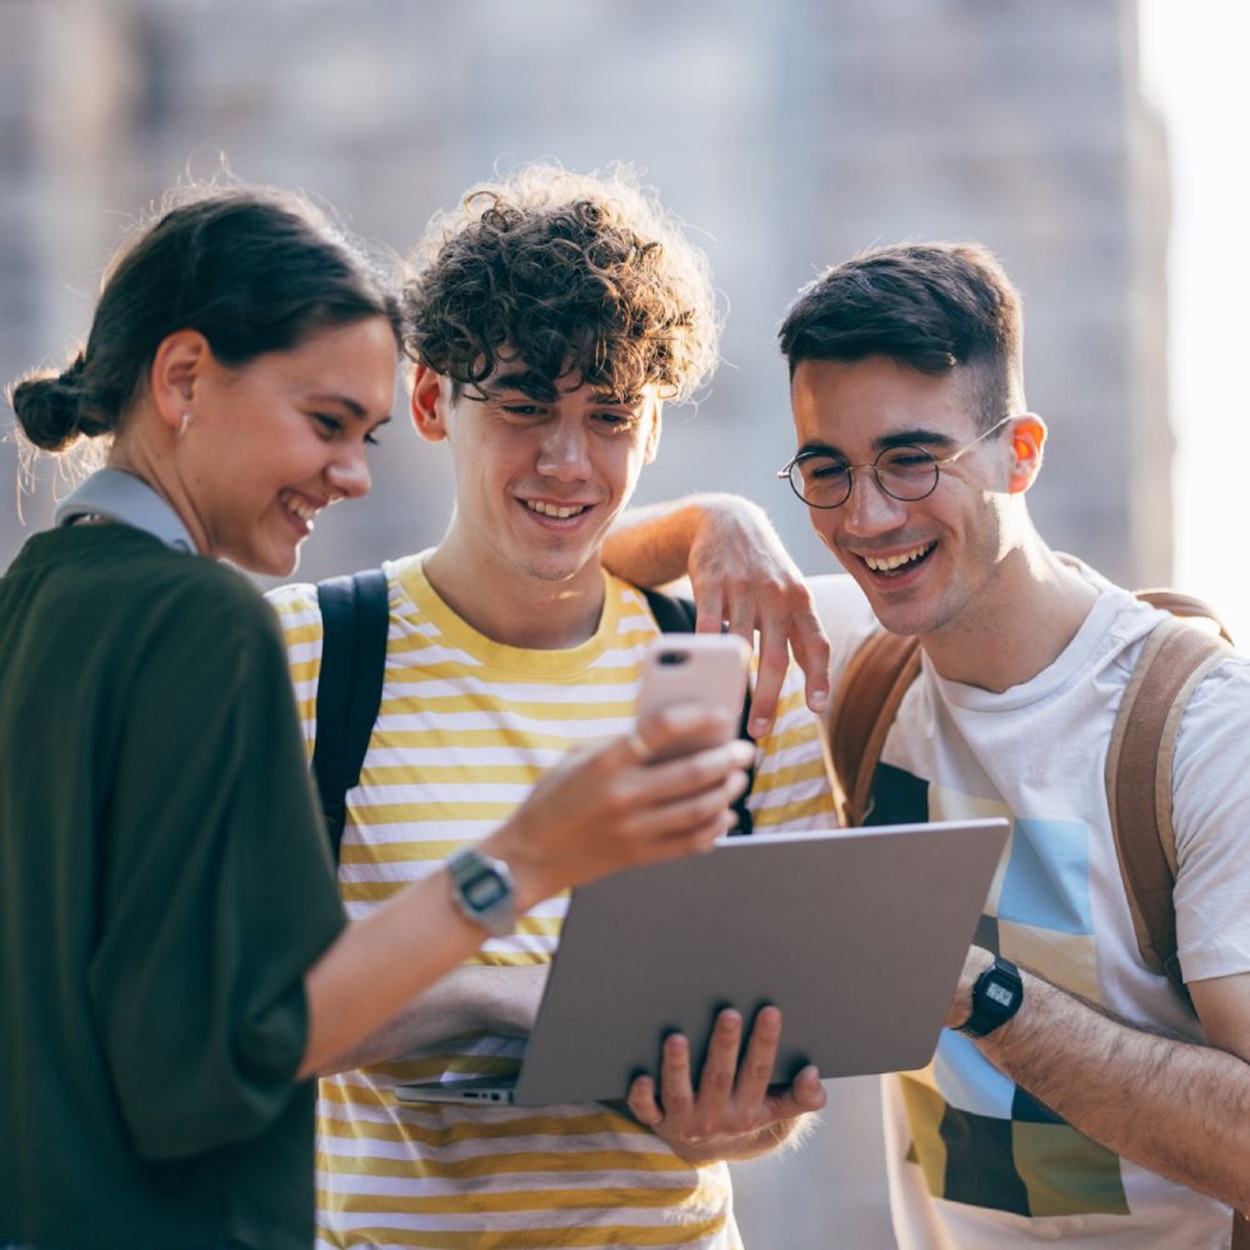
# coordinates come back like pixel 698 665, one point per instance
pixel 977 1137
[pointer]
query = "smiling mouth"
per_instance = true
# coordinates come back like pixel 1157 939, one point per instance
pixel 559 512
pixel 305 511
pixel 897 564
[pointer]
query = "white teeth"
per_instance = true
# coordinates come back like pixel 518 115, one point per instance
pixel 887 564
pixel 552 510
pixel 299 507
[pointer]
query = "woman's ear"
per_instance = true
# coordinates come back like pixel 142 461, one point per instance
pixel 430 397
pixel 178 367
pixel 1028 438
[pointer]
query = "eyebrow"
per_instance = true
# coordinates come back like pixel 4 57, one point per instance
pixel 535 386
pixel 917 436
pixel 525 382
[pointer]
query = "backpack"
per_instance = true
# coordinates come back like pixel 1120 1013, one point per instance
pixel 355 615
pixel 1138 775
pixel 1176 657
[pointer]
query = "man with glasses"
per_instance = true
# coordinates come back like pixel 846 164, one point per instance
pixel 1078 1101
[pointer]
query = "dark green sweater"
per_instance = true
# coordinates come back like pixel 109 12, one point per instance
pixel 164 885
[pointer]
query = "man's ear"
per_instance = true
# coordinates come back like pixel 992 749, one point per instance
pixel 652 448
pixel 177 373
pixel 430 396
pixel 1028 438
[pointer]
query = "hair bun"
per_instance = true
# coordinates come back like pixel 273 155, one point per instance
pixel 47 407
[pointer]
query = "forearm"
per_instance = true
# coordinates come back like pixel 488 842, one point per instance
pixel 501 1000
pixel 650 545
pixel 377 965
pixel 380 964
pixel 430 1018
pixel 1176 1108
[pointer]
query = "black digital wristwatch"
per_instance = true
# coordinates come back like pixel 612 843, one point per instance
pixel 996 997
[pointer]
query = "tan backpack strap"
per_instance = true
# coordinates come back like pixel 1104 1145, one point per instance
pixel 1187 607
pixel 1241 1232
pixel 1175 658
pixel 861 713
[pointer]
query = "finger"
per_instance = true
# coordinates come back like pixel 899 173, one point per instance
pixel 681 728
pixel 686 776
pixel 686 816
pixel 808 1091
pixel 774 663
pixel 642 1102
pixel 810 645
pixel 710 611
pixel 720 1065
pixel 638 746
pixel 755 1073
pixel 676 1087
pixel 740 618
pixel 805 1096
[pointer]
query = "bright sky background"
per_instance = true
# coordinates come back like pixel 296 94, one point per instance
pixel 1194 66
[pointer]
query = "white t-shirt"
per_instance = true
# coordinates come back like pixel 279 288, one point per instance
pixel 974 1162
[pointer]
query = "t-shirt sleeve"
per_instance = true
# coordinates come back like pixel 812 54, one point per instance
pixel 1211 799
pixel 217 892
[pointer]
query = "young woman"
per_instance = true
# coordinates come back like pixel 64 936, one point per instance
pixel 174 961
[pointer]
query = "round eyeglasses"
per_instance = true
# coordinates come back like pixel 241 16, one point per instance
pixel 824 480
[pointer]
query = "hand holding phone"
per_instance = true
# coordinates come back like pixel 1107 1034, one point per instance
pixel 708 669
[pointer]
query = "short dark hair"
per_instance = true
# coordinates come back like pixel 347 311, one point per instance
pixel 581 276
pixel 929 306
pixel 253 269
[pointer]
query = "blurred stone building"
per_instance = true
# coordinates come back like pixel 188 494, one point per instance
pixel 788 135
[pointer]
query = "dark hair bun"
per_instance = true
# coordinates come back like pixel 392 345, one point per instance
pixel 47 407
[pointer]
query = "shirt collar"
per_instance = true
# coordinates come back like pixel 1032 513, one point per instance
pixel 120 496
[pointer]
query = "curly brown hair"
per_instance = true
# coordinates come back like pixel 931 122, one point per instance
pixel 579 276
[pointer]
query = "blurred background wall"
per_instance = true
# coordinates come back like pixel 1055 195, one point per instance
pixel 788 135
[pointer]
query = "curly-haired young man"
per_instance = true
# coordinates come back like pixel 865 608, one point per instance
pixel 549 318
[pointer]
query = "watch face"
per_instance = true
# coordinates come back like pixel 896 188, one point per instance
pixel 1003 995
pixel 484 891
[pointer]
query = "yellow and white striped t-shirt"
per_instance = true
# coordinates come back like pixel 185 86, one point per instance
pixel 466 728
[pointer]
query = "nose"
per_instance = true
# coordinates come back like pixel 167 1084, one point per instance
pixel 348 474
pixel 564 452
pixel 869 510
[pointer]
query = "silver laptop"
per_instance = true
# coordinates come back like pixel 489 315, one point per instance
pixel 857 935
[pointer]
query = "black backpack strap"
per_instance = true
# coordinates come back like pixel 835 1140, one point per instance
pixel 355 616
pixel 678 616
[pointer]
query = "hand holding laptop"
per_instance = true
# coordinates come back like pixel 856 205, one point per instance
pixel 735 1113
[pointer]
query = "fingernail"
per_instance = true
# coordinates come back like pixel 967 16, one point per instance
pixel 759 726
pixel 819 699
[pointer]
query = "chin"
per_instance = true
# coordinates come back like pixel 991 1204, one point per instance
pixel 268 564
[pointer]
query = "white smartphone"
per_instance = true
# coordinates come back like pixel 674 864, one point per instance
pixel 695 668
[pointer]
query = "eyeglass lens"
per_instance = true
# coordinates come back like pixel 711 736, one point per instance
pixel 906 473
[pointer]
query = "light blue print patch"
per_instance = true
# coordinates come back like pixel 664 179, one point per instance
pixel 967 1079
pixel 1047 880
